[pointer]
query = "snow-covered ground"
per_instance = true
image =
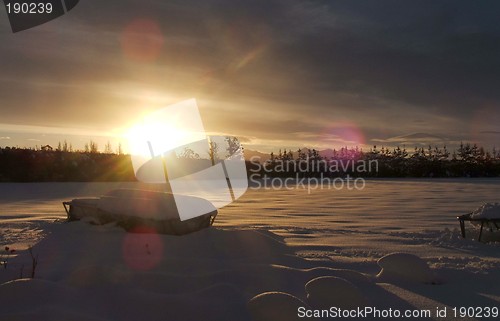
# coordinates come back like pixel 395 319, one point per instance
pixel 269 254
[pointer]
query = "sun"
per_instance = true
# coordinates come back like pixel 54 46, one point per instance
pixel 166 129
pixel 151 139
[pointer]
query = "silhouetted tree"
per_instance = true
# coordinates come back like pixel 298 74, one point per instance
pixel 108 149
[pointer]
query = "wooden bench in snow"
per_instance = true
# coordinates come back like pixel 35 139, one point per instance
pixel 488 215
pixel 131 209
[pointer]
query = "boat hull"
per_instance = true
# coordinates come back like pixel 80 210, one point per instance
pixel 166 221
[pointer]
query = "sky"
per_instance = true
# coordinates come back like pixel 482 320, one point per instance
pixel 275 73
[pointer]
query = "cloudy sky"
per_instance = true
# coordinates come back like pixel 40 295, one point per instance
pixel 276 73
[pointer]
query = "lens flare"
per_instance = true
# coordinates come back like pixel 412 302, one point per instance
pixel 142 40
pixel 142 249
pixel 344 133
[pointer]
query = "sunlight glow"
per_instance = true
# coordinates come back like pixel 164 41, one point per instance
pixel 139 135
pixel 162 131
pixel 165 130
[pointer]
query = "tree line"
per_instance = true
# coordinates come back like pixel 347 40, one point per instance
pixel 468 160
pixel 65 164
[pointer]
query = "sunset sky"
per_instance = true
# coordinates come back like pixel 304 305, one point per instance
pixel 277 74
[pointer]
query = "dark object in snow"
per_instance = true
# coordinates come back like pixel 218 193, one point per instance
pixel 484 221
pixel 131 208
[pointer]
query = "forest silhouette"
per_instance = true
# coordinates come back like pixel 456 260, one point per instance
pixel 64 164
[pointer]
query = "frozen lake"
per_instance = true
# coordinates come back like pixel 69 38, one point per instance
pixel 390 204
pixel 384 206
pixel 395 205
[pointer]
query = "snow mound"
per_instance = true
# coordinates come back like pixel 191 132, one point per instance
pixel 35 288
pixel 404 267
pixel 96 275
pixel 275 306
pixel 330 291
pixel 487 210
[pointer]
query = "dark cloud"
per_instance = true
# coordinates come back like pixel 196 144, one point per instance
pixel 395 51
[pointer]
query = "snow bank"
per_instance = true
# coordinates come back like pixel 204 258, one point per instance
pixel 213 274
pixel 487 210
pixel 93 273
pixel 102 272
pixel 329 291
pixel 275 306
pixel 404 267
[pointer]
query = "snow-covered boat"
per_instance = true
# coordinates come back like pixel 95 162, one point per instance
pixel 132 209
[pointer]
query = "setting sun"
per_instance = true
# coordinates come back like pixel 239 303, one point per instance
pixel 162 131
pixel 141 136
pixel 166 129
